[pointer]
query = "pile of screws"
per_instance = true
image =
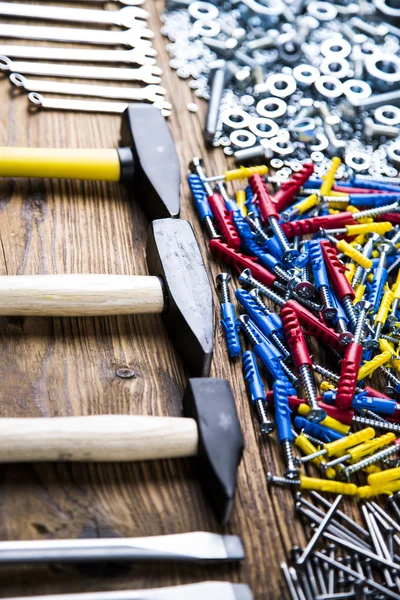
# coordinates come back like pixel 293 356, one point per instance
pixel 343 287
pixel 291 79
pixel 343 559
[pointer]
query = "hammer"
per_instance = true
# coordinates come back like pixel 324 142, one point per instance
pixel 211 432
pixel 179 289
pixel 146 162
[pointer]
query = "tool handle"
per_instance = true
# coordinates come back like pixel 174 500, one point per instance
pixel 97 438
pixel 79 295
pixel 60 163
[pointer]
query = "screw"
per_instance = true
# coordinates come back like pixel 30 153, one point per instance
pixel 218 81
pixel 247 278
pixel 366 462
pixel 316 413
pixel 223 279
pixel 372 129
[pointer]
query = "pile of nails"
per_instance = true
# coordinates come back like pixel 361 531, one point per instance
pixel 330 262
pixel 290 79
pixel 342 558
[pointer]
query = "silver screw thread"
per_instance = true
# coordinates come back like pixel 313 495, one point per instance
pixel 360 325
pixel 396 238
pixel 325 372
pixel 378 331
pixel 257 228
pixel 337 461
pixel 250 334
pixel 289 374
pixel 350 310
pixel 249 280
pixel 266 424
pixel 225 295
pixel 391 377
pixel 394 265
pixel 280 345
pixel 283 274
pixel 306 273
pixel 254 293
pixel 310 457
pixel 395 304
pixel 358 273
pixel 308 383
pixel 280 236
pixel 325 299
pixel 291 470
pixel 341 325
pixel 380 210
pixel 281 480
pixel 366 462
pixel 209 225
pixel 304 301
pixel 390 339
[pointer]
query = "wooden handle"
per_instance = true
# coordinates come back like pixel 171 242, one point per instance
pixel 79 295
pixel 97 438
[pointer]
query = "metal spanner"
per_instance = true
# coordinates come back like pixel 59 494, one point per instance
pixel 91 105
pixel 151 93
pixel 129 37
pixel 142 55
pixel 129 16
pixel 146 74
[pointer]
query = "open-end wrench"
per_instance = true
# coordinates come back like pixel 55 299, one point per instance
pixel 142 55
pixel 146 74
pixel 151 93
pixel 129 16
pixel 93 105
pixel 129 37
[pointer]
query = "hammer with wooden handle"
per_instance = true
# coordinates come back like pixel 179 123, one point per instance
pixel 210 432
pixel 179 288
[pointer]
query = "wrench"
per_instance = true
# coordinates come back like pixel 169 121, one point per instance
pixel 141 55
pixel 129 37
pixel 145 74
pixel 151 93
pixel 93 105
pixel 128 16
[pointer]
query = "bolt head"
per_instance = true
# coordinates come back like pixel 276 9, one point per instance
pixel 364 305
pixel 370 343
pixel 290 256
pixel 345 338
pixel 195 163
pixel 223 278
pixel 305 289
pixel 267 427
pixel 291 473
pixel 316 415
pixel 245 276
pixel 390 391
pixel 329 313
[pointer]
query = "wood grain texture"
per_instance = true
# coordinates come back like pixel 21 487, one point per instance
pixel 64 367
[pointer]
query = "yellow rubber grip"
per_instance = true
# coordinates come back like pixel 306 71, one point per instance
pixel 334 487
pixel 384 306
pixel 307 203
pixel 362 450
pixel 379 228
pixel 371 469
pixel 241 201
pixel 355 254
pixel 368 491
pixel 350 270
pixel 359 293
pixel 384 477
pixel 245 172
pixel 304 409
pixel 60 163
pixel 338 446
pixel 372 365
pixel 329 178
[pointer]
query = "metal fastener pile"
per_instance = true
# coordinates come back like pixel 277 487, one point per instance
pixel 294 79
pixel 327 253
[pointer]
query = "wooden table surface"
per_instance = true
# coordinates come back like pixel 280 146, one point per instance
pixel 64 367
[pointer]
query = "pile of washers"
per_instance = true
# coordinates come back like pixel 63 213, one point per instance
pixel 294 79
pixel 332 267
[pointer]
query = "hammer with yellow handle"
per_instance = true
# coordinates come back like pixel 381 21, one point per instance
pixel 147 162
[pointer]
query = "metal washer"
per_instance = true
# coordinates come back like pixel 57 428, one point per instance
pixel 263 110
pixel 236 118
pixel 381 115
pixel 281 85
pixel 330 87
pixel 243 138
pixel 264 128
pixel 202 10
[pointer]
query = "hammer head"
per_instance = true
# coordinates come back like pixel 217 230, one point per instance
pixel 156 176
pixel 211 403
pixel 174 255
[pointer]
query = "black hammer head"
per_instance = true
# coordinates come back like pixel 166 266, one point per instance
pixel 174 255
pixel 211 403
pixel 156 177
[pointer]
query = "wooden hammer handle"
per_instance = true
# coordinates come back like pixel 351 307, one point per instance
pixel 79 295
pixel 97 438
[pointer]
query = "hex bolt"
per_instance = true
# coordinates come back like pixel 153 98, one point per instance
pixel 372 129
